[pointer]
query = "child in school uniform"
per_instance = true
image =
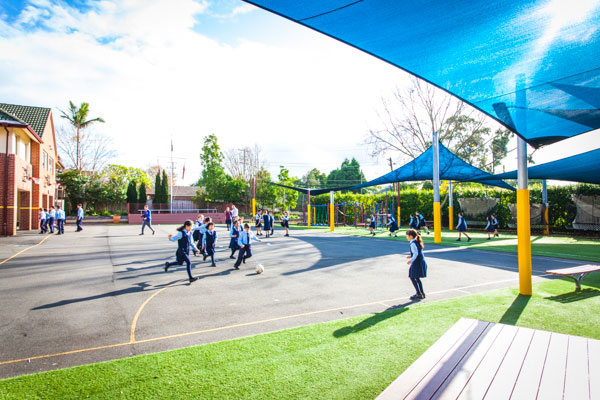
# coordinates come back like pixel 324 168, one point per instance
pixel 228 218
pixel 196 231
pixel 80 216
pixel 393 225
pixel 234 234
pixel 416 260
pixel 489 227
pixel 246 236
pixel 60 221
pixel 272 222
pixel 185 241
pixel 372 225
pixel 147 220
pixel 267 224
pixel 462 228
pixel 414 223
pixel 422 222
pixel 285 223
pixel 209 242
pixel 202 230
pixel 495 225
pixel 258 221
pixel 51 218
pixel 42 215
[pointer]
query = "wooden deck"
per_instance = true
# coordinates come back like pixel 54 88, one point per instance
pixel 482 360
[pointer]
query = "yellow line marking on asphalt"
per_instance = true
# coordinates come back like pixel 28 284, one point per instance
pixel 155 339
pixel 24 250
pixel 139 311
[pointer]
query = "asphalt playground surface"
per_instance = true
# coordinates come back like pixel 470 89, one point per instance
pixel 102 294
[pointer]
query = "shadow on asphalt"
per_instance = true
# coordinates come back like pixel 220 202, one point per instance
pixel 139 287
pixel 372 320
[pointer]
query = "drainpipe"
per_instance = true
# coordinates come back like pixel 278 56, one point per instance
pixel 5 215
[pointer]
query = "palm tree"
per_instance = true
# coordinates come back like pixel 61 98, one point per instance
pixel 78 118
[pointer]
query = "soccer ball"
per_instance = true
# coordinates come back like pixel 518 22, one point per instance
pixel 260 269
pixel 368 219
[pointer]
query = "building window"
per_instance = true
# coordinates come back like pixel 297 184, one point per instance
pixel 51 166
pixel 44 160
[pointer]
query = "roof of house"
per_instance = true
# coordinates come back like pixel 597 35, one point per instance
pixel 179 191
pixel 35 117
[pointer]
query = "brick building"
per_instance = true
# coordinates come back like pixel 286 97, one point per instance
pixel 28 161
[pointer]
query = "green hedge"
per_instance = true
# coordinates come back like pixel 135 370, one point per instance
pixel 562 208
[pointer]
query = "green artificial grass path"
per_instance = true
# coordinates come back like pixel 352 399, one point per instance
pixel 354 358
pixel 551 246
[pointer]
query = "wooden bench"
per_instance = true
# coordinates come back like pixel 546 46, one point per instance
pixel 575 273
pixel 477 360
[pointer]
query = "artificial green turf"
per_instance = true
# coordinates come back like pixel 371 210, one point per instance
pixel 353 358
pixel 552 246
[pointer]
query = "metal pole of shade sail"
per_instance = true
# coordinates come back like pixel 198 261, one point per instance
pixel 523 217
pixel 450 205
pixel 331 211
pixel 437 212
pixel 546 207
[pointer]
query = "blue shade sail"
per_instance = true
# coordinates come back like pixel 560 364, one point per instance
pixel 532 65
pixel 583 168
pixel 451 168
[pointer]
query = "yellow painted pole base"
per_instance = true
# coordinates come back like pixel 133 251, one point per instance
pixel 451 218
pixel 399 217
pixel 437 223
pixel 546 221
pixel 253 207
pixel 308 216
pixel 524 241
pixel 332 217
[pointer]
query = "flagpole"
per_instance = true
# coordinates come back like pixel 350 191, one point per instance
pixel 171 202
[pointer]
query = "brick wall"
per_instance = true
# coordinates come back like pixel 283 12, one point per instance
pixel 9 210
pixel 25 211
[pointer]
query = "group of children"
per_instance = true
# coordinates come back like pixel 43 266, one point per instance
pixel 265 222
pixel 417 223
pixel 54 219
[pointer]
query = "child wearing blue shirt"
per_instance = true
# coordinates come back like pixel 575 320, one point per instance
pixel 418 266
pixel 209 243
pixel 246 236
pixel 185 241
pixel 462 227
pixel 147 220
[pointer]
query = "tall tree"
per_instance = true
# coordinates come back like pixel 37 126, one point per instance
pixel 165 187
pixel 243 163
pixel 314 179
pixel 349 174
pixel 266 194
pixel 78 118
pixel 286 198
pixel 158 187
pixel 132 196
pixel 408 121
pixel 213 174
pixel 142 196
pixel 499 147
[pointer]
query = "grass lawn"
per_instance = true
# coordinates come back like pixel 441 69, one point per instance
pixel 353 358
pixel 552 246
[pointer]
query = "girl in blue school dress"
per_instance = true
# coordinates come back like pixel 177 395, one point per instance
pixel 462 227
pixel 489 227
pixel 266 224
pixel 234 234
pixel 393 225
pixel 414 223
pixel 416 260
pixel 372 225
pixel 258 222
pixel 184 242
pixel 495 225
pixel 285 223
pixel 209 243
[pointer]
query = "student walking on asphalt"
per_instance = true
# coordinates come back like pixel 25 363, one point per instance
pixel 184 242
pixel 79 218
pixel 147 220
pixel 246 236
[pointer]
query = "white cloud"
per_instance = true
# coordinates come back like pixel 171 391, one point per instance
pixel 154 77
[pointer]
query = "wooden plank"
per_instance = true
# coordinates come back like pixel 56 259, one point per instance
pixel 575 270
pixel 552 384
pixel 483 376
pixel 438 374
pixel 456 381
pixel 504 381
pixel 576 379
pixel 594 368
pixel 413 375
pixel 527 383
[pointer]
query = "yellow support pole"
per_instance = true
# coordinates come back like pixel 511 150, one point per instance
pixel 253 208
pixel 308 210
pixel 398 216
pixel 546 220
pixel 450 205
pixel 437 222
pixel 524 241
pixel 451 218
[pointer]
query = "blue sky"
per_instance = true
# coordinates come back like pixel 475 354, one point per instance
pixel 161 70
